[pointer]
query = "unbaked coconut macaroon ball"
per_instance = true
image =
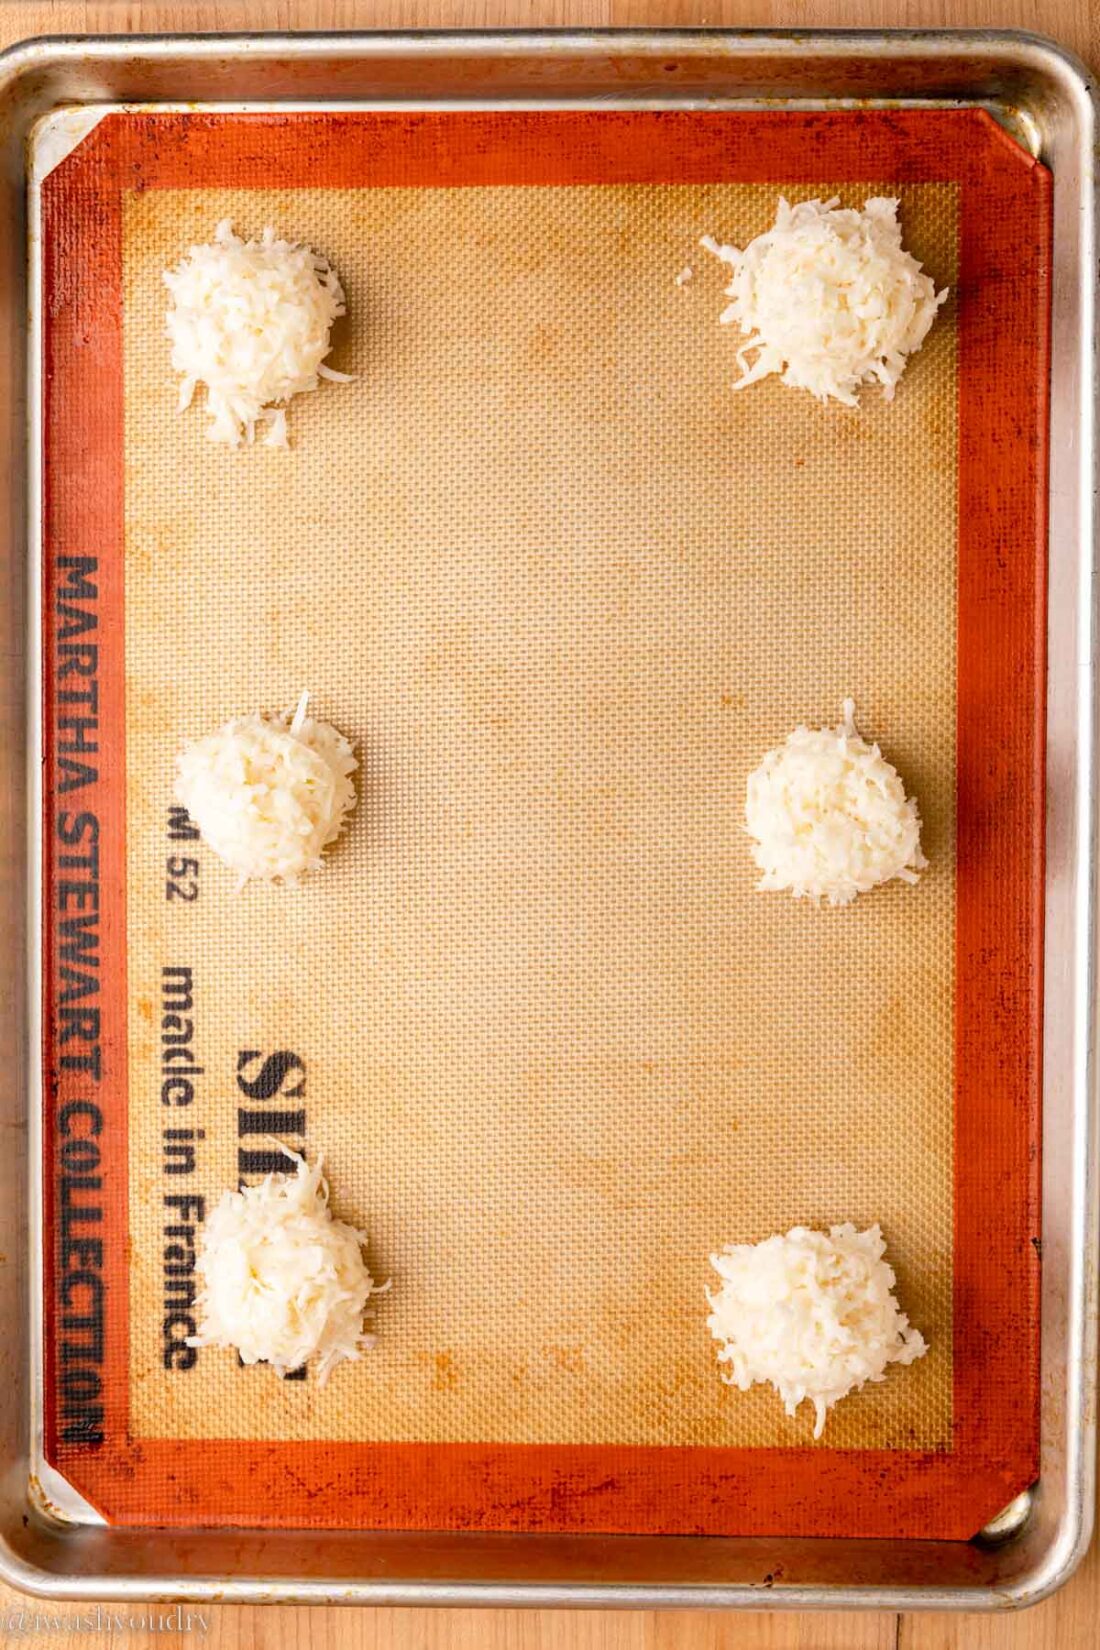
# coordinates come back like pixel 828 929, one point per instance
pixel 282 1282
pixel 252 321
pixel 813 1313
pixel 829 816
pixel 829 298
pixel 268 794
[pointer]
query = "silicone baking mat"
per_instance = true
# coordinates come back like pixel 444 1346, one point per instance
pixel 563 588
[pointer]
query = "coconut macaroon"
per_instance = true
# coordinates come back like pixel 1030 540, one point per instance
pixel 268 794
pixel 829 298
pixel 812 1313
pixel 252 321
pixel 829 816
pixel 280 1281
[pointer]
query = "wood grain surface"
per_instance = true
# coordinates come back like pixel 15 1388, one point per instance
pixel 1071 1620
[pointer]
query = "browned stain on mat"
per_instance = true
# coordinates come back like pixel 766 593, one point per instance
pixel 563 587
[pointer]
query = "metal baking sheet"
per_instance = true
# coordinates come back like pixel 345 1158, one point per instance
pixel 1023 118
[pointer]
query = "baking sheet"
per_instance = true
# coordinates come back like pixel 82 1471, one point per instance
pixel 563 592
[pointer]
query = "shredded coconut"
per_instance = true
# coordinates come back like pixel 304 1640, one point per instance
pixel 251 320
pixel 268 794
pixel 813 1314
pixel 829 816
pixel 829 298
pixel 281 1281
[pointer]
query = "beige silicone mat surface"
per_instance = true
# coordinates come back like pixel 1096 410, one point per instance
pixel 563 588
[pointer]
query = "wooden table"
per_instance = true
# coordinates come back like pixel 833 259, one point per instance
pixel 1071 1621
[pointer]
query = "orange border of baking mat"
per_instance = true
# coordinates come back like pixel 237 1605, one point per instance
pixel 1003 309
